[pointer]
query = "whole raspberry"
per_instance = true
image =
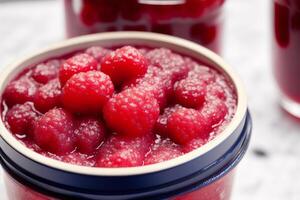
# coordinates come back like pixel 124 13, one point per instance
pixel 155 83
pixel 190 92
pixel 20 118
pixel 87 92
pixel 90 132
pixel 124 64
pixel 170 62
pixel 161 123
pixel 119 151
pixel 215 90
pixel 132 112
pixel 20 91
pixel 97 52
pixel 45 72
pixel 54 131
pixel 156 87
pixel 203 73
pixel 48 96
pixel 159 57
pixel 186 124
pixel 161 151
pixel 76 64
pixel 214 111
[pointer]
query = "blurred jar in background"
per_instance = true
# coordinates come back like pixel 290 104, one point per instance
pixel 196 20
pixel 286 52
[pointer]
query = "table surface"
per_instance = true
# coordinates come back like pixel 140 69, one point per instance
pixel 270 170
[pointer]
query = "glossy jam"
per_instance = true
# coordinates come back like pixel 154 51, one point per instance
pixel 146 149
pixel 196 20
pixel 286 47
pixel 219 100
pixel 218 190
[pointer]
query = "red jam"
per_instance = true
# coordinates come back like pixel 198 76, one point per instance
pixel 196 20
pixel 119 107
pixel 287 47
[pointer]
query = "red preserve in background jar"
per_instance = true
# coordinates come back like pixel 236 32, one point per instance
pixel 196 20
pixel 286 52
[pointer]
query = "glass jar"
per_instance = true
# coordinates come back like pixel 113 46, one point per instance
pixel 203 174
pixel 219 190
pixel 286 52
pixel 196 20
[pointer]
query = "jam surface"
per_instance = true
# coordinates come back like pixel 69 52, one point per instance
pixel 196 20
pixel 119 107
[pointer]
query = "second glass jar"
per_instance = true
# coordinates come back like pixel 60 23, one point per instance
pixel 196 20
pixel 286 52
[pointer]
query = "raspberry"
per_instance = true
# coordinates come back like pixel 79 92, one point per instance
pixel 161 123
pixel 48 96
pixel 53 131
pixel 202 73
pixel 156 88
pixel 87 92
pixel 214 111
pixel 170 62
pixel 124 64
pixel 76 64
pixel 119 151
pixel 20 118
pixel 89 135
pixel 156 83
pixel 157 57
pixel 45 72
pixel 215 90
pixel 161 151
pixel 20 91
pixel 186 124
pixel 190 92
pixel 97 52
pixel 132 112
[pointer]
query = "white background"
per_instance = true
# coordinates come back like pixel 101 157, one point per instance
pixel 27 26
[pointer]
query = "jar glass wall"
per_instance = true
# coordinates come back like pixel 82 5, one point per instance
pixel 286 52
pixel 218 190
pixel 196 20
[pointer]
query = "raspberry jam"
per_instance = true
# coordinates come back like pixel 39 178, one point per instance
pixel 127 106
pixel 286 49
pixel 118 108
pixel 196 20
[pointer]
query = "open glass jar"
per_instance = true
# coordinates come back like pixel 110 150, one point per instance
pixel 286 48
pixel 203 174
pixel 196 20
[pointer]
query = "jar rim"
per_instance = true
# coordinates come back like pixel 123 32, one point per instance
pixel 133 38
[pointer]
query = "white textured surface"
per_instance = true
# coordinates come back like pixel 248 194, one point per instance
pixel 26 26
